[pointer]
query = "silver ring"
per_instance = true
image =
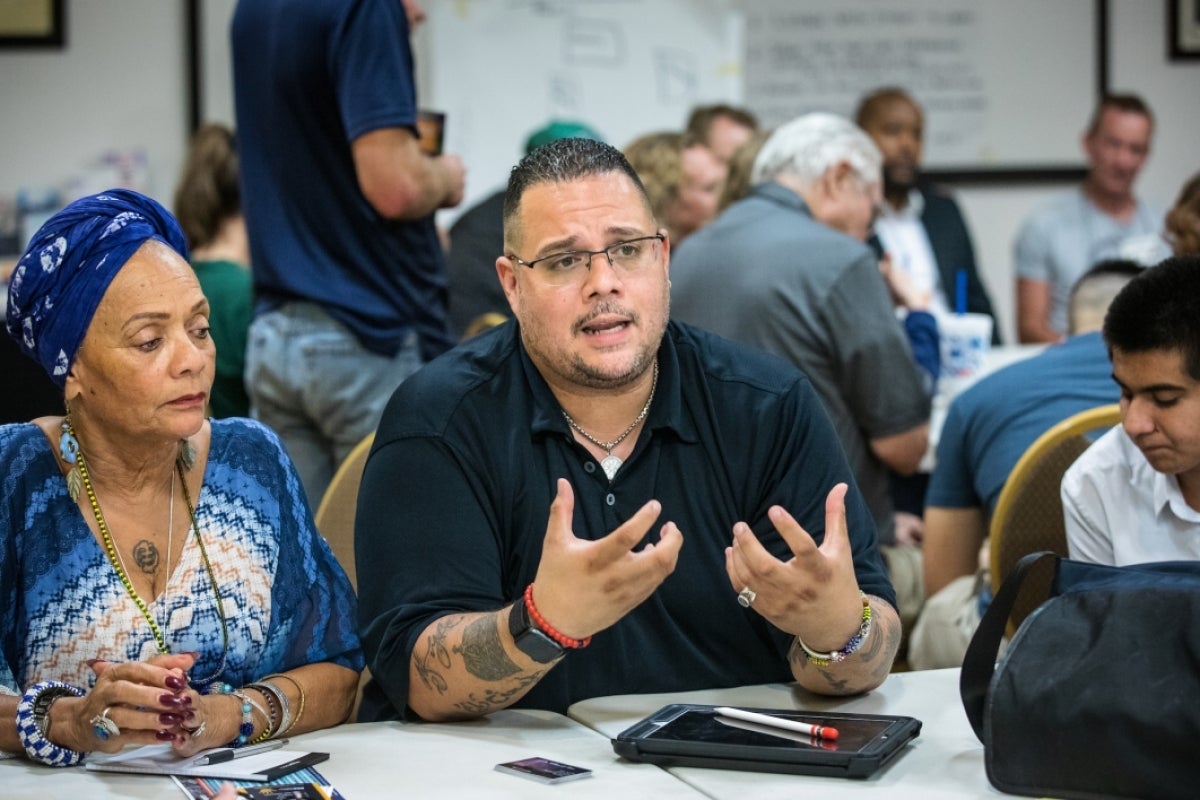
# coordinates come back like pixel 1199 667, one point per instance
pixel 103 727
pixel 196 731
pixel 746 597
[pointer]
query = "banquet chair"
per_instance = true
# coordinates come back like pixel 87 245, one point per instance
pixel 335 521
pixel 1029 514
pixel 335 515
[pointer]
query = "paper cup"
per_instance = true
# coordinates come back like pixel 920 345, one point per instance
pixel 965 339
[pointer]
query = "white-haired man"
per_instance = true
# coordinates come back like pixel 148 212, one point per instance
pixel 785 270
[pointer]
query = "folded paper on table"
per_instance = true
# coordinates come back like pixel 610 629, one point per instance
pixel 158 759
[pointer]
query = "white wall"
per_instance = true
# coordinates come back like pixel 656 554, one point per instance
pixel 121 82
pixel 1137 62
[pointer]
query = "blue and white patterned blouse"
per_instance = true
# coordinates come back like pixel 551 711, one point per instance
pixel 286 600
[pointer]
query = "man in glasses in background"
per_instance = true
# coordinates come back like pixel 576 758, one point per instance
pixel 593 500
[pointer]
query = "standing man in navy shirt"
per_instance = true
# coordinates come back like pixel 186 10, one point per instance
pixel 591 499
pixel 349 275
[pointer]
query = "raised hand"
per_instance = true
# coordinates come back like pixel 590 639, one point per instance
pixel 585 586
pixel 814 594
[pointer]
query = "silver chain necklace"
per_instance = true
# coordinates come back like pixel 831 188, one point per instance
pixel 610 464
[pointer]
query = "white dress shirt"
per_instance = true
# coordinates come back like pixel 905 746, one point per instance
pixel 905 239
pixel 1119 510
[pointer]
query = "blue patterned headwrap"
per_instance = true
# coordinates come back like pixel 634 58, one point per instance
pixel 71 260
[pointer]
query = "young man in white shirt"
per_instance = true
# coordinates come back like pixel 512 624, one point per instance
pixel 1134 496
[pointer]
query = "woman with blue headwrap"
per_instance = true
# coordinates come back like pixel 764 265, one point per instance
pixel 160 573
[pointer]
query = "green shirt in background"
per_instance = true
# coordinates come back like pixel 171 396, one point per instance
pixel 228 289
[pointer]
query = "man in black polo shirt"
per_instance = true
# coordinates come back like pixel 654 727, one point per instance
pixel 703 527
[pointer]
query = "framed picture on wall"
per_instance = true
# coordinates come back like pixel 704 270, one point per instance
pixel 32 23
pixel 1183 26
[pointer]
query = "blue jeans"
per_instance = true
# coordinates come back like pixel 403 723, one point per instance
pixel 312 382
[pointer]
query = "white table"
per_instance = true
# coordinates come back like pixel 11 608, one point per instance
pixel 945 761
pixel 393 759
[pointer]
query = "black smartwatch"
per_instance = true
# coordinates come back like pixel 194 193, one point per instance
pixel 529 638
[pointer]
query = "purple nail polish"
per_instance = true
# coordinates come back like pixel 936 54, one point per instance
pixel 164 736
pixel 167 718
pixel 91 662
pixel 185 700
pixel 189 715
pixel 170 700
pixel 175 682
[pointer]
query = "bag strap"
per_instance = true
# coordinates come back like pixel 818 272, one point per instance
pixel 979 663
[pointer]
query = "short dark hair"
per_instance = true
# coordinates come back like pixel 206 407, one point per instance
pixel 560 161
pixel 701 119
pixel 870 105
pixel 1159 310
pixel 1093 293
pixel 1127 103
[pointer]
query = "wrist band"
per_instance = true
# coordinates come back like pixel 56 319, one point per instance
pixel 856 641
pixel 281 700
pixel 548 629
pixel 36 703
pixel 300 691
pixel 247 725
pixel 268 718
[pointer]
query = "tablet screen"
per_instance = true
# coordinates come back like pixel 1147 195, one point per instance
pixel 695 725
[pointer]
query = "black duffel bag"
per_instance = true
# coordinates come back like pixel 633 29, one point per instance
pixel 1098 693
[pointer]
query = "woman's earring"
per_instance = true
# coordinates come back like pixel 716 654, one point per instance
pixel 68 449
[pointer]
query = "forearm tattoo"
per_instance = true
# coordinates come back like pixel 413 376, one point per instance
pixel 493 699
pixel 483 651
pixel 436 651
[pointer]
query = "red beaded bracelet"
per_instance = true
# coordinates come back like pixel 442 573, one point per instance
pixel 548 629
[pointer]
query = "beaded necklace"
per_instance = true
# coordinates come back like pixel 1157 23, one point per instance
pixel 114 558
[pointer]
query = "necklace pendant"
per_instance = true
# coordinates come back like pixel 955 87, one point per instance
pixel 610 465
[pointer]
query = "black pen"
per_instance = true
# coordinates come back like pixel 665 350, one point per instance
pixel 230 753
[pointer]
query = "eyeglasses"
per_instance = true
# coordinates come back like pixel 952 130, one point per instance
pixel 628 257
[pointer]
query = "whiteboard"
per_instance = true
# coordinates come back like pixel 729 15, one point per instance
pixel 500 69
pixel 1005 85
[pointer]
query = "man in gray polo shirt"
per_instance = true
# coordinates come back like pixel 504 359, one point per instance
pixel 785 269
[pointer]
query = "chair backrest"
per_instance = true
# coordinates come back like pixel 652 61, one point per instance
pixel 335 515
pixel 335 521
pixel 1029 514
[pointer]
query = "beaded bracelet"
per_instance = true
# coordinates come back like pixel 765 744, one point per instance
pixel 272 726
pixel 34 703
pixel 548 629
pixel 268 718
pixel 281 699
pixel 299 690
pixel 856 641
pixel 247 726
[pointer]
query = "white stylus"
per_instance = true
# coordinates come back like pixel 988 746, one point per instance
pixel 819 731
